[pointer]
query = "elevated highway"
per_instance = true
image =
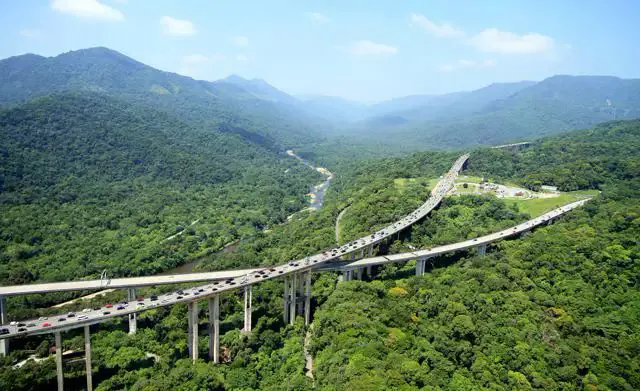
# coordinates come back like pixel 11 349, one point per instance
pixel 296 275
pixel 128 282
pixel 235 280
pixel 480 243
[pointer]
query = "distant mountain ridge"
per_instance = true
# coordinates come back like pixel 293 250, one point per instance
pixel 262 114
pixel 507 112
pixel 225 106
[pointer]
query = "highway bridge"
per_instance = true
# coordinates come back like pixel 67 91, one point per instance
pixel 296 275
pixel 514 146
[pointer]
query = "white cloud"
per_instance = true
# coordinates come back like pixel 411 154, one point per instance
pixel 242 57
pixel 317 17
pixel 465 64
pixel 30 33
pixel 177 27
pixel 492 40
pixel 364 47
pixel 240 40
pixel 443 30
pixel 87 9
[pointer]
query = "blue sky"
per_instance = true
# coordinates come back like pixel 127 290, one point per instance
pixel 361 50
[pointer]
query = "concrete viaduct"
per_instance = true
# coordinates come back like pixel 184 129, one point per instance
pixel 296 275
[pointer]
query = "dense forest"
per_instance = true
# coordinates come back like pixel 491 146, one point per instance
pixel 90 183
pixel 556 309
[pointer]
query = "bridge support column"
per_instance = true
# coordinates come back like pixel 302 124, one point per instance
pixel 549 221
pixel 307 299
pixel 292 303
pixel 420 266
pixel 4 343
pixel 370 271
pixel 482 249
pixel 133 323
pixel 247 308
pixel 353 256
pixel 214 328
pixel 192 314
pixel 59 361
pixel 87 357
pixel 286 299
pixel 301 290
pixel 371 250
pixel 347 275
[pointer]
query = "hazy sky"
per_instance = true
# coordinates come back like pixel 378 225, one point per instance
pixel 365 50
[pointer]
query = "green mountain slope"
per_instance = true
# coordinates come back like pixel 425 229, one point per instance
pixel 497 114
pixel 555 309
pixel 273 124
pixel 89 182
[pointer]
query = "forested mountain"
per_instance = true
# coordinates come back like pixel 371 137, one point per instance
pixel 270 123
pixel 521 111
pixel 89 182
pixel 258 88
pixel 556 309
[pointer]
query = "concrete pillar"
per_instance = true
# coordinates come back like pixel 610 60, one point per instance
pixel 287 304
pixel 87 357
pixel 4 319
pixel 362 253
pixel 247 308
pixel 371 250
pixel 133 324
pixel 292 303
pixel 301 290
pixel 420 266
pixel 353 256
pixel 370 271
pixel 59 361
pixel 482 249
pixel 549 221
pixel 192 314
pixel 307 299
pixel 214 328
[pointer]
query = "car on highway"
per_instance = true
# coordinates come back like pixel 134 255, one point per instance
pixel 71 314
pixel 86 310
pixel 4 331
pixel 106 313
pixel 62 319
pixel 108 305
pixel 83 317
pixel 46 324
